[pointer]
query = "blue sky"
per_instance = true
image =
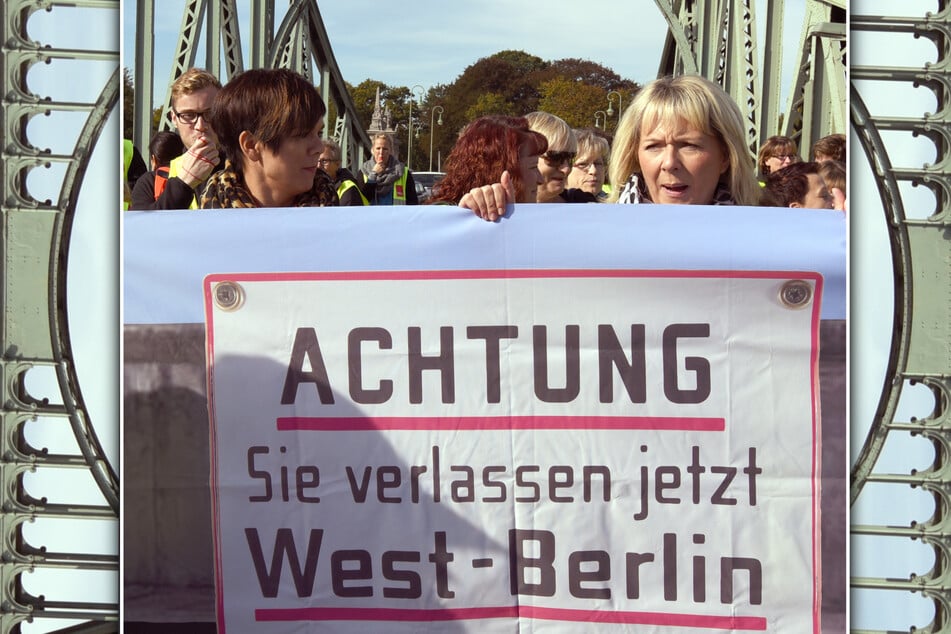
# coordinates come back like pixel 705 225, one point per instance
pixel 428 42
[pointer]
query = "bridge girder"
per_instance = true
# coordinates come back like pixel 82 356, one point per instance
pixel 719 40
pixel 300 43
pixel 35 331
pixel 920 351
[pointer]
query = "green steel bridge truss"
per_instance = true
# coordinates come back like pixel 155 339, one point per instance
pixel 714 38
pixel 39 377
pixel 920 352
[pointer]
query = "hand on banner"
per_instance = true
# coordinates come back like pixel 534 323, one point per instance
pixel 489 201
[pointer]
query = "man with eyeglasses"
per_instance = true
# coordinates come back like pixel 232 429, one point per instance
pixel 192 95
pixel 346 183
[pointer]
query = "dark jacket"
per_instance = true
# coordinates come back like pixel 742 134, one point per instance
pixel 177 194
pixel 352 196
pixel 577 196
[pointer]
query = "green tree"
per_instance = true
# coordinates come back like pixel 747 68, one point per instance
pixel 574 102
pixel 589 73
pixel 490 103
pixel 521 61
pixel 506 74
pixel 128 104
pixel 509 82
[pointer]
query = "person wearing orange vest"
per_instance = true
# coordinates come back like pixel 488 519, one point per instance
pixel 347 189
pixel 164 147
pixel 192 95
pixel 383 179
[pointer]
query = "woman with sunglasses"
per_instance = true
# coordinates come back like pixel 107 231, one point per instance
pixel 269 124
pixel 555 163
pixel 682 142
pixel 488 147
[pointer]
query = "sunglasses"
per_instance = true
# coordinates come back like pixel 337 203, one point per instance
pixel 557 159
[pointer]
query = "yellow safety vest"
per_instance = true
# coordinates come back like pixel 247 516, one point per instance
pixel 399 188
pixel 127 150
pixel 348 184
pixel 173 169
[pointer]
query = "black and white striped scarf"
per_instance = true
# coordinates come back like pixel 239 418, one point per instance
pixel 635 193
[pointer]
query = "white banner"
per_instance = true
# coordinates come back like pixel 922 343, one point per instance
pixel 499 451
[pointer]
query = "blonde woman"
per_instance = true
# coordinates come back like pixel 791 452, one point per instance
pixel 682 141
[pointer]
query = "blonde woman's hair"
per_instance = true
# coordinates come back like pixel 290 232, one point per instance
pixel 561 138
pixel 387 137
pixel 699 103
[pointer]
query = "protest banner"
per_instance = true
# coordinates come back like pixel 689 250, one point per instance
pixel 475 448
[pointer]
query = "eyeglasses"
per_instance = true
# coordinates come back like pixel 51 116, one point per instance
pixel 557 159
pixel 584 167
pixel 190 117
pixel 324 161
pixel 785 157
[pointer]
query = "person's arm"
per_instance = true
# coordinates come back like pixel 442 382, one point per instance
pixel 412 198
pixel 136 168
pixel 367 186
pixel 143 191
pixel 177 194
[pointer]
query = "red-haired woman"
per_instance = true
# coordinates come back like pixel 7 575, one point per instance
pixel 486 148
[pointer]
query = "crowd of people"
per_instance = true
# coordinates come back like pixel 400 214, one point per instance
pixel 258 141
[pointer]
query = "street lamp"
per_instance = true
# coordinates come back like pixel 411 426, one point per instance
pixel 604 119
pixel 611 105
pixel 409 136
pixel 432 131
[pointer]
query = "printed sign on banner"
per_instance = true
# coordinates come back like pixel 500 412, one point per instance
pixel 501 451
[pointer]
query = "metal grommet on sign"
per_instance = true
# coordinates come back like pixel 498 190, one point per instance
pixel 796 293
pixel 229 296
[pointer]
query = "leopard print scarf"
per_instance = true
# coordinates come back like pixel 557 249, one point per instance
pixel 225 190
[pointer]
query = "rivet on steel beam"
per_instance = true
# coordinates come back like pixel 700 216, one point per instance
pixel 796 293
pixel 229 296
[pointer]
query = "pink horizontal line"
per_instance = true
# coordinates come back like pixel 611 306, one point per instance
pixel 425 423
pixel 750 623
